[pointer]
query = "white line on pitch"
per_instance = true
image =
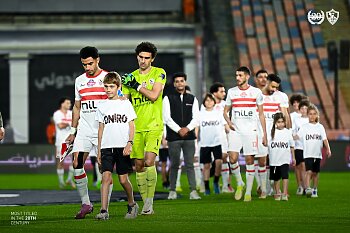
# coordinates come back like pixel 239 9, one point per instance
pixel 9 195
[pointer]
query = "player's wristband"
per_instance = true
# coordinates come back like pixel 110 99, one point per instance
pixel 131 142
pixel 73 130
pixel 139 87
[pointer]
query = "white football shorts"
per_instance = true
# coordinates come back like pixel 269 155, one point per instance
pixel 224 142
pixel 237 141
pixel 85 144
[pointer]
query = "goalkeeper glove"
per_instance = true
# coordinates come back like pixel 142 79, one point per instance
pixel 129 80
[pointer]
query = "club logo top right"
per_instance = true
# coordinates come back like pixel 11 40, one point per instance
pixel 316 18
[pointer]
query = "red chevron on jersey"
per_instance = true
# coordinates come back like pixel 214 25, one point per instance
pixel 94 97
pixel 273 104
pixel 244 104
pixel 89 91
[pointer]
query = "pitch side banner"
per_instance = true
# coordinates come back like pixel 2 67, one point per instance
pixel 52 77
pixel 41 158
pixel 23 158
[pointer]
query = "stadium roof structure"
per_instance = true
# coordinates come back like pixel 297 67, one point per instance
pixel 170 37
pixel 88 6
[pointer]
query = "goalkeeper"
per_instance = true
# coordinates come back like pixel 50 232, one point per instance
pixel 144 87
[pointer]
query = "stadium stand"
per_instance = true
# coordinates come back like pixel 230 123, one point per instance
pixel 277 36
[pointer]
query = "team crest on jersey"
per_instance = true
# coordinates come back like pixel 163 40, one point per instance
pixel 91 83
pixel 100 82
pixel 151 81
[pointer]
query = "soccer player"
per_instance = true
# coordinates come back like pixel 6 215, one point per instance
pixel 244 100
pixel 211 123
pixel 88 92
pixel 115 138
pixel 261 170
pixel 261 79
pixel 273 101
pixel 63 121
pixel 300 162
pixel 144 87
pixel 313 136
pixel 218 90
pixel 281 147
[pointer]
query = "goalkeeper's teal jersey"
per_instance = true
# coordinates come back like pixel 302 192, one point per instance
pixel 149 114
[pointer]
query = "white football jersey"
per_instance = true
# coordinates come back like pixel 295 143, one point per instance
pixel 61 117
pixel 115 115
pixel 89 90
pixel 272 105
pixel 284 97
pixel 280 147
pixel 298 122
pixel 220 106
pixel 244 104
pixel 293 115
pixel 210 126
pixel 224 136
pixel 312 136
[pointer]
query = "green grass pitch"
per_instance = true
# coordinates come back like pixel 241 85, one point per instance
pixel 215 213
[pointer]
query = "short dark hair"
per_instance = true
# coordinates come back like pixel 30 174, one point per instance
pixel 298 97
pixel 146 47
pixel 244 69
pixel 112 77
pixel 179 74
pixel 304 102
pixel 61 100
pixel 262 71
pixel 273 78
pixel 89 51
pixel 215 87
pixel 210 96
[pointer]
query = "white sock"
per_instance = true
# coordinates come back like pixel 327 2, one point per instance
pixel 198 173
pixel 149 201
pixel 60 174
pixel 98 174
pixel 268 184
pixel 262 177
pixel 225 173
pixel 109 193
pixel 70 173
pixel 82 185
pixel 249 178
pixel 178 181
pixel 256 174
pixel 236 171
